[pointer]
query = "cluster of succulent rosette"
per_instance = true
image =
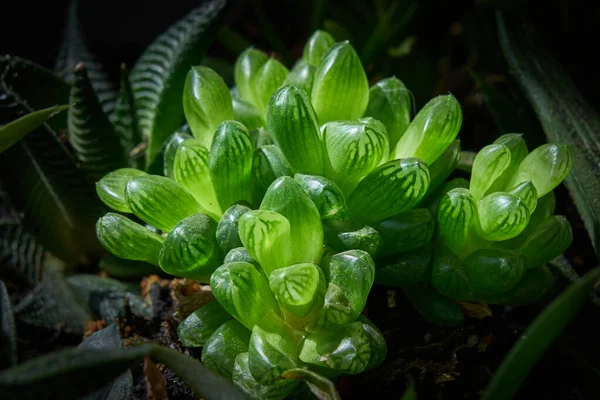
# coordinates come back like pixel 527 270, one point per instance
pixel 298 190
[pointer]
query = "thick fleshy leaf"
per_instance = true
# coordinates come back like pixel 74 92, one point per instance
pixel 8 333
pixel 336 311
pixel 433 306
pixel 273 349
pixel 407 268
pixel 301 76
pixel 246 67
pixel 195 330
pixel 158 77
pixel 533 287
pixel 247 114
pixel 169 153
pixel 244 292
pixel 242 377
pixel 406 231
pixel 502 216
pixel 321 387
pixel 125 118
pixel 206 103
pixel 340 88
pixel 549 240
pixel 376 341
pixel 240 254
pixel 545 208
pixel 526 191
pixel 111 188
pixel 489 164
pixel 443 167
pixel 266 81
pixel 457 213
pixel 390 102
pixel 317 45
pixel 21 255
pixel 269 164
pixel 352 150
pixel 515 143
pixel 16 130
pixel 346 349
pixel 159 201
pixel 390 189
pixel 227 233
pixel 191 249
pixel 431 132
pixel 326 195
pixel 295 287
pixel 224 345
pixel 492 271
pixel 192 171
pixel 366 239
pixel 545 166
pixel 231 156
pixel 448 275
pixel 266 236
pixel 286 197
pixel 292 123
pixel 127 239
pixel 260 137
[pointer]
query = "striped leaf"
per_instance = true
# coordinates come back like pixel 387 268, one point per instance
pixel 246 67
pixel 230 164
pixel 352 150
pixel 247 114
pixel 492 271
pixel 336 311
pixel 518 151
pixel 317 45
pixel 127 239
pixel 92 135
pixel 266 236
pixel 502 216
pixel 319 385
pixel 170 151
pixel 223 346
pixel 191 249
pixel 457 213
pixel 111 188
pixel 266 81
pixel 340 88
pixel 489 164
pixel 8 333
pixel 197 327
pixel 406 231
pixel 549 240
pixel 227 233
pixel 242 377
pixel 159 201
pixel 326 195
pixel 295 287
pixel 240 254
pixel 191 169
pixel 292 122
pixel 301 76
pixel 526 192
pixel 125 118
pixel 269 164
pixel 366 239
pixel 431 132
pixel 389 189
pixel 21 255
pixel 376 341
pixel 206 103
pixel 158 77
pixel 244 292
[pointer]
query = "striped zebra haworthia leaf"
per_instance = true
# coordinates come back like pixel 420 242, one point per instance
pixel 389 189
pixel 493 271
pixel 206 103
pixel 125 119
pixel 317 45
pixel 111 188
pixel 352 150
pixel 340 76
pixel 266 81
pixel 434 128
pixel 301 76
pixel 224 345
pixel 457 213
pixel 158 77
pixel 292 123
pixel 191 249
pixel 244 292
pixel 159 201
pixel 295 287
pixel 489 164
pixel 246 66
pixel 127 239
pixel 230 163
pixel 502 216
pixel 247 114
pixel 227 234
pixel 326 195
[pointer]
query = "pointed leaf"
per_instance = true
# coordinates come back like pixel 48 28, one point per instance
pixel 16 130
pixel 406 231
pixel 125 118
pixel 227 233
pixel 457 213
pixel 340 88
pixel 502 216
pixel 406 268
pixel 21 255
pixel 223 346
pixel 127 239
pixel 269 164
pixel 317 45
pixel 246 67
pixel 158 77
pixel 295 287
pixel 434 128
pixel 489 164
pixel 267 80
pixel 242 377
pixel 433 306
pixel 247 114
pixel 301 76
pixel 549 240
pixel 195 330
pixel 292 122
pixel 206 103
pixel 336 311
pixel 8 333
pixel 111 188
pixel 366 239
pixel 518 151
pixel 169 153
pixel 389 189
pixel 326 195
pixel 320 386
pixel 376 341
pixel 491 271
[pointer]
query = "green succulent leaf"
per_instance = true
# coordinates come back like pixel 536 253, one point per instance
pixel 340 76
pixel 352 150
pixel 518 151
pixel 273 349
pixel 535 284
pixel 269 164
pixel 433 306
pixel 406 268
pixel 448 275
pixel 158 77
pixel 286 197
pixel 224 345
pixel 441 168
pixel 191 249
pixel 391 103
pixel 159 201
pixel 169 152
pixel 321 387
pixel 301 76
pixel 406 231
pixel 376 342
pixel 260 137
pixel 242 377
pixel 431 132
pixel 526 191
pixel 366 239
pixel 111 188
pixel 8 333
pixel 240 254
pixel 292 122
pixel 231 156
pixel 326 195
pixel 346 349
pixel 195 330
pixel 125 118
pixel 227 233
pixel 191 169
pixel 247 114
pixel 266 81
pixel 549 240
pixel 127 239
pixel 296 287
pixel 457 214
pixel 246 67
pixel 502 216
pixel 389 189
pixel 244 292
pixel 493 271
pixel 489 164
pixel 336 311
pixel 317 45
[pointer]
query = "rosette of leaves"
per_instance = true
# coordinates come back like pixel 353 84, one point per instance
pixel 282 306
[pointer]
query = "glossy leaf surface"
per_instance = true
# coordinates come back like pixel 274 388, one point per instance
pixel 502 216
pixel 295 287
pixel 111 188
pixel 491 271
pixel 195 330
pixel 406 231
pixel 223 346
pixel 227 233
pixel 317 45
pixel 457 213
pixel 489 164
